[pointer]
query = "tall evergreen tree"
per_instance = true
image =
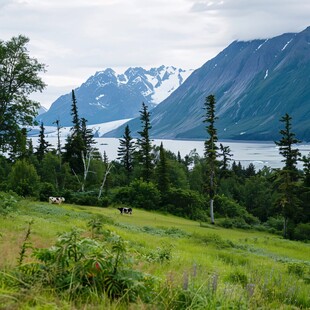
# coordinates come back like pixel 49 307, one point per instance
pixel 43 146
pixel 75 145
pixel 57 122
pixel 288 176
pixel 75 116
pixel 286 147
pixel 162 171
pixel 225 154
pixel 211 151
pixel 126 152
pixel 145 146
pixel 87 135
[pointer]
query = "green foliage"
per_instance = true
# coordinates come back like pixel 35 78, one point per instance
pixel 23 179
pixel 185 203
pixel 144 145
pixel 302 231
pixel 139 194
pixel 89 198
pixel 238 276
pixel 80 266
pixel 8 203
pixel 232 210
pixel 20 76
pixel 46 190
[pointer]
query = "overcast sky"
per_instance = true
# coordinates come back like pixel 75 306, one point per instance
pixel 76 38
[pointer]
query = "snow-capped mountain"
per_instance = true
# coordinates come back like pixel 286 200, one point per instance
pixel 254 82
pixel 108 96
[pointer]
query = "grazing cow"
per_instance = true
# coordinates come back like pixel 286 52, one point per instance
pixel 58 200
pixel 125 210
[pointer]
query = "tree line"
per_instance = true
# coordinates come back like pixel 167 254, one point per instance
pixel 209 188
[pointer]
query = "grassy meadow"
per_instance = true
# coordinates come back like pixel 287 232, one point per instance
pixel 191 265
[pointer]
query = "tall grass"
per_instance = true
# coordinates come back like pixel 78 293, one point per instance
pixel 195 266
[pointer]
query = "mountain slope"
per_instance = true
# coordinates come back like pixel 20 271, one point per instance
pixel 108 96
pixel 255 84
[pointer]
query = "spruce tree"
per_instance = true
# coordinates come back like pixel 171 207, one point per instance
pixel 126 152
pixel 288 175
pixel 75 116
pixel 75 146
pixel 145 146
pixel 162 171
pixel 211 151
pixel 226 155
pixel 43 146
pixel 87 135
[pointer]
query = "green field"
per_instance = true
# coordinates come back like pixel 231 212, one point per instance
pixel 192 265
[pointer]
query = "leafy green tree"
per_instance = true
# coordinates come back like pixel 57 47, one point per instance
pixel 43 146
pixel 126 152
pixel 18 147
pixel 288 175
pixel 23 179
pixel 145 146
pixel 19 77
pixel 211 150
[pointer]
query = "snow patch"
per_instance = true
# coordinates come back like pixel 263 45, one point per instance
pixel 261 45
pixel 100 96
pixel 287 43
pixel 99 129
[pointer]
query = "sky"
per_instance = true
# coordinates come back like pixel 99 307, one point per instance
pixel 77 38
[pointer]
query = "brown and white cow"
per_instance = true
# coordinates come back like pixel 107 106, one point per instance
pixel 57 200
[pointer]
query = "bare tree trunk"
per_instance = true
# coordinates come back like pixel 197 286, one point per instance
pixel 110 165
pixel 86 163
pixel 211 211
pixel 285 227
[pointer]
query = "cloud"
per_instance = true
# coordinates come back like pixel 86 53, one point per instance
pixel 76 38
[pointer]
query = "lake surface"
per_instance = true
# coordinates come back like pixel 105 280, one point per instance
pixel 259 153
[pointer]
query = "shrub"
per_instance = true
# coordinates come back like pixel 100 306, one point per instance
pixel 85 198
pixel 79 266
pixel 302 232
pixel 186 203
pixel 275 224
pixel 46 190
pixel 8 202
pixel 138 194
pixel 23 179
pixel 232 210
pixel 238 276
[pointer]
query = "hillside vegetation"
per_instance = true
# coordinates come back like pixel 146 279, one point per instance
pixel 147 260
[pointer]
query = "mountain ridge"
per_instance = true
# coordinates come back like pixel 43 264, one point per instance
pixel 109 96
pixel 255 83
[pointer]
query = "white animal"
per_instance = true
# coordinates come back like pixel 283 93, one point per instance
pixel 58 200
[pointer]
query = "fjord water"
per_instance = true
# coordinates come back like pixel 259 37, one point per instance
pixel 259 153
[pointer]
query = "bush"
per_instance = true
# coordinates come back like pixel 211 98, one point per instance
pixel 46 190
pixel 275 224
pixel 138 194
pixel 237 216
pixel 80 266
pixel 23 179
pixel 8 202
pixel 302 232
pixel 85 198
pixel 186 203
